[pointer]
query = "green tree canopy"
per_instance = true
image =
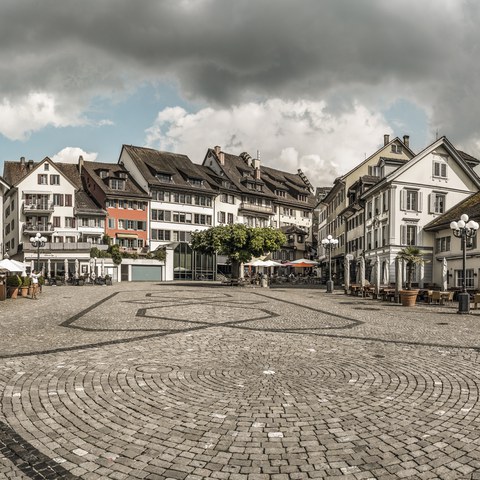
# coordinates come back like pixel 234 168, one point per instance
pixel 238 242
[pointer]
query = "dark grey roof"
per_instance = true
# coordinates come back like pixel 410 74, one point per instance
pixel 472 161
pixel 470 206
pixel 114 170
pixel 151 162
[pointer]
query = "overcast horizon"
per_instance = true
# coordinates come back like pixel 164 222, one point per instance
pixel 310 84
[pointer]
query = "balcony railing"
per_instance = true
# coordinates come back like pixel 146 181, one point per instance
pixel 54 246
pixel 256 208
pixel 37 207
pixel 30 227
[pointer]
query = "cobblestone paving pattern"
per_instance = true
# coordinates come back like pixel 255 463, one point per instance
pixel 190 382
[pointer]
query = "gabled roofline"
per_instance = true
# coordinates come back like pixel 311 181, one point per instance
pixel 376 152
pixel 5 183
pixel 428 149
pixel 50 162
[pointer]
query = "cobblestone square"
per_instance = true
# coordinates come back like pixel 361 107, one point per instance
pixel 178 381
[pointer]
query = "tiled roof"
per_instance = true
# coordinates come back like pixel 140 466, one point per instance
pixel 151 162
pixel 472 161
pixel 113 170
pixel 470 206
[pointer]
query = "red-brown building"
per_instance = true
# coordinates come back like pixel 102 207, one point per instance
pixel 125 202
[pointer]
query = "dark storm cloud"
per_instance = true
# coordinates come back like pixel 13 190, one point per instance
pixel 227 51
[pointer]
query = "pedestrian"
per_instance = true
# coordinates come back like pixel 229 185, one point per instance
pixel 34 278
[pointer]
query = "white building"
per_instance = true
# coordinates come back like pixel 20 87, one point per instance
pixel 47 198
pixel 405 200
pixel 182 202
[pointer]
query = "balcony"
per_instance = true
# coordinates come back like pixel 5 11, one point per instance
pixel 250 207
pixel 65 246
pixel 34 227
pixel 37 207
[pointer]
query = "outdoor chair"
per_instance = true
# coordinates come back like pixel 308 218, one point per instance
pixel 476 300
pixel 436 297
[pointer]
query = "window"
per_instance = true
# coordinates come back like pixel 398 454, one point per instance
pixel 42 179
pixel 164 177
pixel 58 200
pixel 54 179
pixel 179 236
pixel 117 184
pixel 437 203
pixel 102 174
pixel 195 182
pixel 469 282
pixel 111 223
pixel 230 218
pixel 288 211
pixel 56 222
pixel 397 149
pixel 121 225
pixel 161 215
pixel 411 200
pixel 201 219
pixel 69 222
pixel 369 209
pixel 68 200
pixel 439 169
pixel 46 167
pixel 442 244
pixel 385 201
pixel 409 234
pixel 280 193
pixel 162 235
pixel 221 217
pixel 384 235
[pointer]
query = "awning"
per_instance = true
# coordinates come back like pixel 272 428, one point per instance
pixel 127 235
pixel 37 192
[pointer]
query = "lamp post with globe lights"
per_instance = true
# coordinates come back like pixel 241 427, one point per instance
pixel 464 229
pixel 37 242
pixel 329 244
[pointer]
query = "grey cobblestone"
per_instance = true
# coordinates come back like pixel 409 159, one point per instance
pixel 189 382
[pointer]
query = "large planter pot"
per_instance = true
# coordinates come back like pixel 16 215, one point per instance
pixel 408 297
pixel 24 291
pixel 13 292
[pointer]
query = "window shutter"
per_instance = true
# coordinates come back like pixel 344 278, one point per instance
pixel 403 234
pixel 419 236
pixel 444 169
pixel 431 203
pixel 435 169
pixel 403 199
pixel 420 202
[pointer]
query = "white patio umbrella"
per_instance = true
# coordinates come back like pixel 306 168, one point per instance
pixel 398 278
pixel 76 267
pixel 49 268
pixel 65 262
pixel 303 260
pixel 102 267
pixel 385 279
pixel 346 272
pixel 361 271
pixel 32 266
pixel 444 274
pixel 7 265
pixel 377 276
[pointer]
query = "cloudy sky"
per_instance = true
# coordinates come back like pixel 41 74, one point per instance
pixel 311 84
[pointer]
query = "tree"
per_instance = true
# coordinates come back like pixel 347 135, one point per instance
pixel 238 242
pixel 412 256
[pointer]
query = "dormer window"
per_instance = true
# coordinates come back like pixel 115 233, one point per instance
pixel 102 174
pixel 122 175
pixel 117 184
pixel 164 177
pixel 195 182
pixel 280 193
pixel 302 198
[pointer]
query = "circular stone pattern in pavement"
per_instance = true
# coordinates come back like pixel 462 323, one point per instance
pixel 246 414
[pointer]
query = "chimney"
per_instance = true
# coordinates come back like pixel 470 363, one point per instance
pixel 22 161
pixel 217 149
pixel 257 172
pixel 256 162
pixel 386 139
pixel 406 140
pixel 221 157
pixel 30 165
pixel 80 164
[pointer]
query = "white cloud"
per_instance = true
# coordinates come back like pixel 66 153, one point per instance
pixel 34 111
pixel 289 135
pixel 71 154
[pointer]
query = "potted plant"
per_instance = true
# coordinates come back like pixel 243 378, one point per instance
pixel 26 282
pixel 412 256
pixel 13 283
pixel 108 280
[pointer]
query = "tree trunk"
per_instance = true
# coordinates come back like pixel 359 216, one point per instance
pixel 235 269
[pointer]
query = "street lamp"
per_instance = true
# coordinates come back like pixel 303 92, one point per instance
pixel 38 241
pixel 464 229
pixel 329 244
